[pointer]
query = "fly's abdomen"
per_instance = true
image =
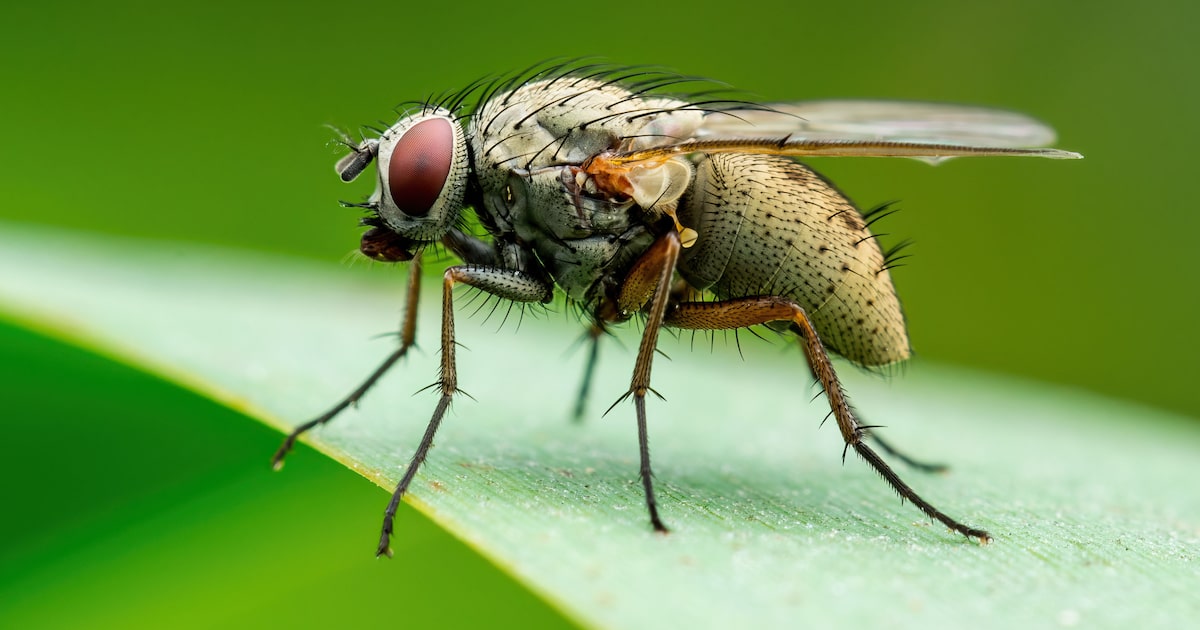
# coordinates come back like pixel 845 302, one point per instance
pixel 771 226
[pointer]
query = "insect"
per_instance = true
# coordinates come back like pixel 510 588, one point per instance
pixel 690 212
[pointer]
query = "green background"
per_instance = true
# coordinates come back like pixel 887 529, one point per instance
pixel 204 123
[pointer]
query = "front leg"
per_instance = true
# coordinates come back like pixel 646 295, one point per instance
pixel 508 284
pixel 408 333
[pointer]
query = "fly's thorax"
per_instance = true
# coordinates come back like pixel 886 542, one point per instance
pixel 565 120
pixel 528 144
pixel 770 226
pixel 549 204
pixel 587 269
pixel 577 238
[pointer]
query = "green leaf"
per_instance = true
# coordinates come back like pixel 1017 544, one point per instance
pixel 1090 500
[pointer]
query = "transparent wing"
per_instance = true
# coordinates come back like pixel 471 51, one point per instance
pixel 926 131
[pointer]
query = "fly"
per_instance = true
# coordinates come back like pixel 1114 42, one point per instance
pixel 692 213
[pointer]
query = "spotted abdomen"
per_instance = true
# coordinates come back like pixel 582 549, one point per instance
pixel 771 226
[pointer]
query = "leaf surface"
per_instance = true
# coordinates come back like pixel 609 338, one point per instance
pixel 1091 501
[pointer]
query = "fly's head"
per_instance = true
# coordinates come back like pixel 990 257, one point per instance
pixel 422 169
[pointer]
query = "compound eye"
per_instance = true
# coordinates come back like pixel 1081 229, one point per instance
pixel 423 172
pixel 419 165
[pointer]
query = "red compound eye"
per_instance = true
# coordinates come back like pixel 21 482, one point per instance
pixel 419 166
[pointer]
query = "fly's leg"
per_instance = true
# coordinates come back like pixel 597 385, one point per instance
pixel 509 284
pixel 408 331
pixel 751 311
pixel 926 467
pixel 595 331
pixel 648 280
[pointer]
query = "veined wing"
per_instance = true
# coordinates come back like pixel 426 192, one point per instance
pixel 881 128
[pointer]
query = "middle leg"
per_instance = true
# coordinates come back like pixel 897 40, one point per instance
pixel 648 281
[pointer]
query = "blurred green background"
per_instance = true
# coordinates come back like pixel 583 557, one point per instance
pixel 136 503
